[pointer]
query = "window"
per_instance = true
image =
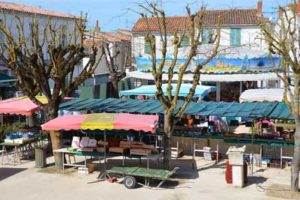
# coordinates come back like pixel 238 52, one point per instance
pixel 235 37
pixel 31 30
pixel 185 41
pixel 208 36
pixel 147 48
pixel 205 36
pixel 64 39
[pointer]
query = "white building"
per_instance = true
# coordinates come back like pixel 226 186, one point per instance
pixel 244 64
pixel 99 85
pixel 239 29
pixel 9 12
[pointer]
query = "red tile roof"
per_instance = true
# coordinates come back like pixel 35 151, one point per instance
pixel 180 23
pixel 32 10
pixel 98 37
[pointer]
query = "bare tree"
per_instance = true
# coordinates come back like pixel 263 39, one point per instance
pixel 111 56
pixel 195 25
pixel 115 57
pixel 283 40
pixel 49 53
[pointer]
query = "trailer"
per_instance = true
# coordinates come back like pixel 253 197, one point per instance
pixel 133 175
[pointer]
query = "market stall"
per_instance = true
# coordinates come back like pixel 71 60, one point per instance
pixel 20 106
pixel 150 90
pixel 248 112
pixel 262 95
pixel 23 136
pixel 105 122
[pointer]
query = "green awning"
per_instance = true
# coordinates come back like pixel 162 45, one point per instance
pixel 6 79
pixel 273 110
pixel 281 112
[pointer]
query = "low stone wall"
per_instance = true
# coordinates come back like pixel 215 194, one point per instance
pixel 187 145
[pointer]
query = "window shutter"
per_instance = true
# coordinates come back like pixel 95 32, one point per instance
pixel 205 36
pixel 235 37
pixel 185 41
pixel 238 37
pixel 147 48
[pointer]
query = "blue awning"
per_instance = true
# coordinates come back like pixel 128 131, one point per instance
pixel 150 90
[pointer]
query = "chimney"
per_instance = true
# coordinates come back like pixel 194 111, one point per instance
pixel 280 11
pixel 259 8
pixel 97 28
pixel 298 7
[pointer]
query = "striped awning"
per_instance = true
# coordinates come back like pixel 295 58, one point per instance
pixel 103 121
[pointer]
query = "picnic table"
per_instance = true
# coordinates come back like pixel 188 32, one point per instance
pixel 131 174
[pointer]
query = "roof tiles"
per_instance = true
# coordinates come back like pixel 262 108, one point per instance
pixel 32 10
pixel 180 23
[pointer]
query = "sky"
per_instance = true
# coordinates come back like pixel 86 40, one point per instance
pixel 114 14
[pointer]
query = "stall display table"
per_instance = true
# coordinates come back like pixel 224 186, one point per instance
pixel 20 149
pixel 207 152
pixel 85 154
pixel 141 152
pixel 64 152
pixel 282 157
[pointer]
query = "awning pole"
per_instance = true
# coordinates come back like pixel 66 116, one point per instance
pixel 241 87
pixel 218 92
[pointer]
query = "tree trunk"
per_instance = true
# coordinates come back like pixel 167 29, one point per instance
pixel 296 158
pixel 168 131
pixel 115 86
pixel 57 143
pixel 51 112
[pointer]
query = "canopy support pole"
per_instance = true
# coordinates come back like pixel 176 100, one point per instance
pixel 241 87
pixel 218 95
pixel 103 175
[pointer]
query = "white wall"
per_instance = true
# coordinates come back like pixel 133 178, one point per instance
pixel 250 37
pixel 27 19
pixel 124 51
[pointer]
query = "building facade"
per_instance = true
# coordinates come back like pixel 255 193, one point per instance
pixel 243 54
pixel 119 45
pixel 14 15
pixel 239 28
pixel 11 11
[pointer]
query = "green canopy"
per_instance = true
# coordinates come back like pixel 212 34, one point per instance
pixel 273 110
pixel 6 79
pixel 281 112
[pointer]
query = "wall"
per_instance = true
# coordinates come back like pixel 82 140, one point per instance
pixel 250 37
pixel 26 20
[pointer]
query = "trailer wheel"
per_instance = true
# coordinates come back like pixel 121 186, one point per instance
pixel 129 182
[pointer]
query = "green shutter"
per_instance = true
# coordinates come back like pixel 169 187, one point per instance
pixel 205 36
pixel 147 48
pixel 103 91
pixel 185 41
pixel 86 92
pixel 235 37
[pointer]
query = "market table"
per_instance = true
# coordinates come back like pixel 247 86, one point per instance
pixel 18 152
pixel 65 151
pixel 141 152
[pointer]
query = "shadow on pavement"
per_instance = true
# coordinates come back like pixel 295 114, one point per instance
pixel 7 172
pixel 255 180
